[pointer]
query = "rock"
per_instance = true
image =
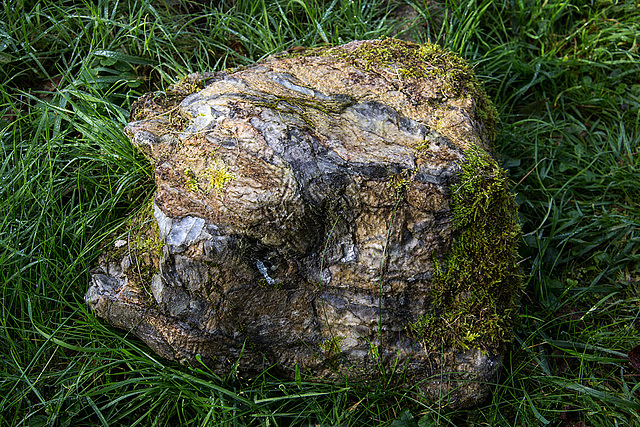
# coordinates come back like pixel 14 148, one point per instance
pixel 332 210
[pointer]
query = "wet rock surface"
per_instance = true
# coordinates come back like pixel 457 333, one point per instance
pixel 301 205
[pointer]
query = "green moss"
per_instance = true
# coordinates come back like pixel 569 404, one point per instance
pixel 191 181
pixel 401 59
pixel 189 84
pixel 476 288
pixel 308 108
pixel 217 177
pixel 212 178
pixel 486 112
pixel 399 183
pixel 155 104
pixel 139 239
pixel 332 345
pixel 265 285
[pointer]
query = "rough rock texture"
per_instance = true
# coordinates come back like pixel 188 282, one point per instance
pixel 303 209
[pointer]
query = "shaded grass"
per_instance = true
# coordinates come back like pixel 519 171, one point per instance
pixel 565 78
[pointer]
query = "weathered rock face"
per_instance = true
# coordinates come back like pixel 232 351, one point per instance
pixel 306 215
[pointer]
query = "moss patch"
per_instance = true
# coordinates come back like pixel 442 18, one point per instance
pixel 332 346
pixel 409 60
pixel 137 239
pixel 476 288
pixel 218 177
pixel 211 179
pixel 153 105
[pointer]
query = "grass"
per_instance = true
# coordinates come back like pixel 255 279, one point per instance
pixel 565 77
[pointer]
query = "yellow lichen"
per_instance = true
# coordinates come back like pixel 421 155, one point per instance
pixel 217 177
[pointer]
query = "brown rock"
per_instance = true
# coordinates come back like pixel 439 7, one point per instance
pixel 301 205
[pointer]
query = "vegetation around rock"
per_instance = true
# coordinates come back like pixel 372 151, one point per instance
pixel 564 78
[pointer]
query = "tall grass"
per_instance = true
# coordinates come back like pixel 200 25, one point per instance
pixel 565 78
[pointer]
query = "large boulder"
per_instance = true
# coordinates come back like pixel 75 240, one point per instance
pixel 331 211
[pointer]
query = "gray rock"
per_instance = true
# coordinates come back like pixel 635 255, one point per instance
pixel 304 216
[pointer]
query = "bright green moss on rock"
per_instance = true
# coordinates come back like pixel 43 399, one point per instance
pixel 410 60
pixel 476 288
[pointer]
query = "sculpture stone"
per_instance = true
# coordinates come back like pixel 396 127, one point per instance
pixel 333 211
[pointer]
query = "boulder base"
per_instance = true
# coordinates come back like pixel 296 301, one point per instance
pixel 315 211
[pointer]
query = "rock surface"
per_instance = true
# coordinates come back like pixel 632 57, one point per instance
pixel 303 209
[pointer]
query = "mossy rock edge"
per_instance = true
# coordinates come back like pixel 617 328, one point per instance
pixel 477 287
